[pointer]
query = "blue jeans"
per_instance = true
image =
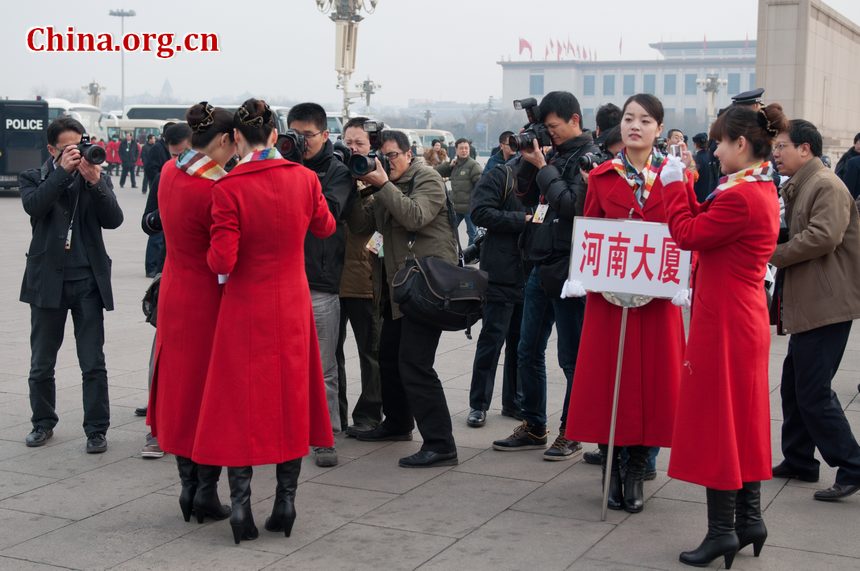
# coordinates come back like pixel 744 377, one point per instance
pixel 539 314
pixel 471 229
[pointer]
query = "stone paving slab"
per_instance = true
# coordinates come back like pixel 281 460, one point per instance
pixel 63 509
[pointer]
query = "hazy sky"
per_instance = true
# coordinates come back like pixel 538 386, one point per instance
pixel 416 49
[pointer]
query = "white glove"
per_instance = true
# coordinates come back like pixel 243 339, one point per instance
pixel 672 171
pixel 572 288
pixel 222 278
pixel 682 298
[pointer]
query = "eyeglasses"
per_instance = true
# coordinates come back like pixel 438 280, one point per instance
pixel 393 155
pixel 308 135
pixel 781 146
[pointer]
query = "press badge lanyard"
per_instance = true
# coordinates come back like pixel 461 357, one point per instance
pixel 71 222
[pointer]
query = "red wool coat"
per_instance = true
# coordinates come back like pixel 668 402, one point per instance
pixel 722 428
pixel 188 302
pixel 653 345
pixel 264 400
pixel 112 152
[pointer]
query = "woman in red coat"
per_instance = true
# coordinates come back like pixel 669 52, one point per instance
pixel 188 301
pixel 264 401
pixel 722 428
pixel 112 154
pixel 628 187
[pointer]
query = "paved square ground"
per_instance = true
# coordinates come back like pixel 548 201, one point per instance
pixel 61 508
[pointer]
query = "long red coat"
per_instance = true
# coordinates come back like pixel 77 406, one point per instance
pixel 722 428
pixel 188 301
pixel 264 400
pixel 112 152
pixel 653 345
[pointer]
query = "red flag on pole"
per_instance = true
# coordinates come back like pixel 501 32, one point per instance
pixel 546 53
pixel 558 49
pixel 551 45
pixel 525 45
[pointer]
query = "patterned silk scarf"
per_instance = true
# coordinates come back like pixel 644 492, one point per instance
pixel 759 172
pixel 194 163
pixel 640 182
pixel 262 155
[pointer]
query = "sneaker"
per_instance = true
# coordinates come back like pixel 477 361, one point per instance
pixel 525 437
pixel 151 449
pixel 96 443
pixel 562 449
pixel 325 457
pixel 595 457
pixel 650 475
pixel 38 437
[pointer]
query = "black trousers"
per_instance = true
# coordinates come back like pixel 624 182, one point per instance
pixel 500 325
pixel 813 416
pixel 366 325
pixel 155 254
pixel 82 298
pixel 127 170
pixel 410 386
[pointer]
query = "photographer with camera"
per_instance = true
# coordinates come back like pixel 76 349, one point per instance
pixel 409 209
pixel 463 172
pixel 495 206
pixel 69 201
pixel 324 256
pixel 554 187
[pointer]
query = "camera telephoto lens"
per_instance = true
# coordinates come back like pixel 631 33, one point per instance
pixel 94 154
pixel 360 165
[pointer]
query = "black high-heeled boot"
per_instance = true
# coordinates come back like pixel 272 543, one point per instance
pixel 284 511
pixel 615 498
pixel 721 538
pixel 634 478
pixel 206 502
pixel 241 519
pixel 749 525
pixel 188 479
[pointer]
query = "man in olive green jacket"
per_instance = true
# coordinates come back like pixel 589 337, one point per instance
pixel 820 299
pixel 410 211
pixel 464 172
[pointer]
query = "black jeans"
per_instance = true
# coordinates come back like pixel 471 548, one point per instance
pixel 813 416
pixel 127 170
pixel 363 316
pixel 82 298
pixel 500 325
pixel 410 386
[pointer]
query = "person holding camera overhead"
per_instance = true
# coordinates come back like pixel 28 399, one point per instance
pixel 409 209
pixel 324 257
pixel 629 187
pixel 264 400
pixel 69 200
pixel 188 300
pixel 554 187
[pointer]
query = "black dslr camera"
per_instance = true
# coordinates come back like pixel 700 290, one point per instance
pixel 589 161
pixel 662 145
pixel 292 145
pixel 361 165
pixel 91 153
pixel 341 152
pixel 534 129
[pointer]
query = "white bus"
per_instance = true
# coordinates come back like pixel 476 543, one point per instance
pixel 90 117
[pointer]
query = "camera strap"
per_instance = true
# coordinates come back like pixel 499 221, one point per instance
pixel 68 245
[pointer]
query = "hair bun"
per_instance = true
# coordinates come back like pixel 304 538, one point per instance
pixel 200 116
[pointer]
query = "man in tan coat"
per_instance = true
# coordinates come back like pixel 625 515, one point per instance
pixel 820 299
pixel 409 209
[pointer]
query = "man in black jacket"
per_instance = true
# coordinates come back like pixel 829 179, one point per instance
pixel 495 206
pixel 144 158
pixel 69 201
pixel 554 187
pixel 324 258
pixel 128 153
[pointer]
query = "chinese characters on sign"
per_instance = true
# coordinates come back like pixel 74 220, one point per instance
pixel 627 256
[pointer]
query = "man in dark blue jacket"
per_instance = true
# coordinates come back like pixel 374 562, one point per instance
pixel 69 201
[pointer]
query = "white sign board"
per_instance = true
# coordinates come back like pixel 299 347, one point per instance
pixel 627 256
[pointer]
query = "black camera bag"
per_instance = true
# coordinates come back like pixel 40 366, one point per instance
pixel 438 293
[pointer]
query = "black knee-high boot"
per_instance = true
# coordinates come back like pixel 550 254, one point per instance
pixel 615 498
pixel 749 524
pixel 634 478
pixel 206 502
pixel 188 479
pixel 721 538
pixel 241 519
pixel 284 511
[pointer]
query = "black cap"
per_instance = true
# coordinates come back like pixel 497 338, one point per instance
pixel 748 97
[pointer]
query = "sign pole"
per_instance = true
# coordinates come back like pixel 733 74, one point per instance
pixel 611 446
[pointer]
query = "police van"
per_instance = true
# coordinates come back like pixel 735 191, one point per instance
pixel 23 138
